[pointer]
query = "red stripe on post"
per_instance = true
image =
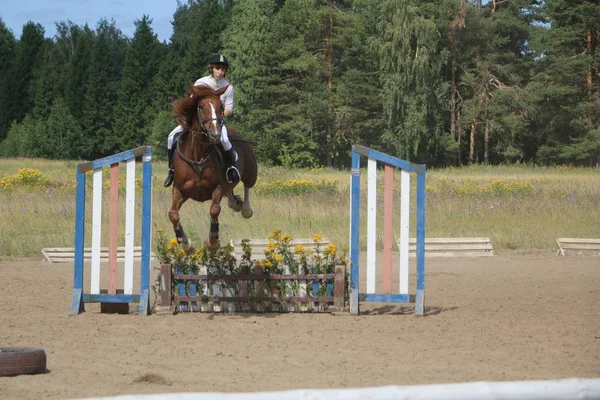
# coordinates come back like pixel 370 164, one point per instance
pixel 388 210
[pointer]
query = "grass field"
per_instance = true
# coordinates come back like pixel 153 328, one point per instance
pixel 518 207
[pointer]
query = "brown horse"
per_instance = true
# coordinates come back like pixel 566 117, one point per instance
pixel 198 162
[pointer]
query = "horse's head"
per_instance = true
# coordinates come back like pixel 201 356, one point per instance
pixel 202 112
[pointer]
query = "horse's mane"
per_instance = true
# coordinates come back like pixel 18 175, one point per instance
pixel 185 108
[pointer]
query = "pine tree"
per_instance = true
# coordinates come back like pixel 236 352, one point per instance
pixel 566 89
pixel 250 44
pixel 414 93
pixel 7 58
pixel 100 99
pixel 19 79
pixel 134 113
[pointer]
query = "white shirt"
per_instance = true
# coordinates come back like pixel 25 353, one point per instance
pixel 227 97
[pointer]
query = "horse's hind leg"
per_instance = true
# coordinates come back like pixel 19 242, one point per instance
pixel 234 202
pixel 182 238
pixel 246 209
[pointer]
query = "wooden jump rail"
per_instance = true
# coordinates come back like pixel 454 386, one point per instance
pixel 579 246
pixel 454 247
pixel 67 254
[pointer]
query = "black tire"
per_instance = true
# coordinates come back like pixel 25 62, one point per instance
pixel 22 360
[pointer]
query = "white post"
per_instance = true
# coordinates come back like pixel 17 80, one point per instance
pixel 371 224
pixel 404 231
pixel 129 227
pixel 96 231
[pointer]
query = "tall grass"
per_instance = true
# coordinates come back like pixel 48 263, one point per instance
pixel 518 207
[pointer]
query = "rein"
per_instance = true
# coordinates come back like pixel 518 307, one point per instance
pixel 200 164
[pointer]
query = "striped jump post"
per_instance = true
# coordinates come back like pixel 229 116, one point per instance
pixel 111 296
pixel 407 169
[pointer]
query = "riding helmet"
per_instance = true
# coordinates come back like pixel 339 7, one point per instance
pixel 219 59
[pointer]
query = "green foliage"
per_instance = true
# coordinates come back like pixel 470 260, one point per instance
pixel 135 97
pixel 410 78
pixel 7 58
pixel 414 94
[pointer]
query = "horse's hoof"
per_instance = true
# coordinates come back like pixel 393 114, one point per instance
pixel 187 247
pixel 247 213
pixel 212 245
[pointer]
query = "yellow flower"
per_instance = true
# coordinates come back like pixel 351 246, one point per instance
pixel 172 244
pixel 299 249
pixel 275 234
pixel 181 253
pixel 277 257
pixel 317 237
pixel 267 264
pixel 285 238
pixel 330 249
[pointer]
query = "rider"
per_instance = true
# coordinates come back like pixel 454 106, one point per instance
pixel 217 66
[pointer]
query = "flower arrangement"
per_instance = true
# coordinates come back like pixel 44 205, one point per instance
pixel 268 277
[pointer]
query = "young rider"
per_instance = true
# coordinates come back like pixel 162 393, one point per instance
pixel 217 66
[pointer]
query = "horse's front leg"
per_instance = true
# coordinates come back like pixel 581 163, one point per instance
pixel 215 210
pixel 182 238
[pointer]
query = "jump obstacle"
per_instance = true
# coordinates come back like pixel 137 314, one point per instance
pixel 407 169
pixel 111 296
pixel 250 289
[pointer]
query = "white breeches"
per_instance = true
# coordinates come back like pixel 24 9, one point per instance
pixel 175 132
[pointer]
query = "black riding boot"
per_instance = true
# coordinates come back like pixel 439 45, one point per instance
pixel 171 172
pixel 232 172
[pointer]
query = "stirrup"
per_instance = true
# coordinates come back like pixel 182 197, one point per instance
pixel 232 175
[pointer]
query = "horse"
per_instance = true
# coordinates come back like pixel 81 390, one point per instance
pixel 198 162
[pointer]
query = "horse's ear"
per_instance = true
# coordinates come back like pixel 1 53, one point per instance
pixel 219 92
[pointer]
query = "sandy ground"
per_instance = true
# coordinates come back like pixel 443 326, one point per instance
pixel 524 316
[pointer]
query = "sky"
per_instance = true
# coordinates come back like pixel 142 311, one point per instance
pixel 16 13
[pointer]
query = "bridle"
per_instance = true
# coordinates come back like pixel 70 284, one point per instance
pixel 219 121
pixel 200 164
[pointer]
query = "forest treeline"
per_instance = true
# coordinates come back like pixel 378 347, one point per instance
pixel 442 82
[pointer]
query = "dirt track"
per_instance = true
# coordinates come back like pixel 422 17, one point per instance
pixel 510 317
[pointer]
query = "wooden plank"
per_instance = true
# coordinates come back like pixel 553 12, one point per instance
pixel 583 246
pixel 454 240
pixel 259 245
pixel 65 254
pixel 457 247
pixel 579 240
pixel 453 247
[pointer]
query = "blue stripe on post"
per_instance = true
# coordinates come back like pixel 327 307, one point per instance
pixel 354 234
pixel 384 298
pixel 76 303
pixel 146 233
pixel 420 301
pixel 111 298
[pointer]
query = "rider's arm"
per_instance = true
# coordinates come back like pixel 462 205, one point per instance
pixel 228 102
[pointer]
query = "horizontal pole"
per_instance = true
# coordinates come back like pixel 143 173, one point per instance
pixel 103 162
pixel 111 298
pixel 387 159
pixel 386 298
